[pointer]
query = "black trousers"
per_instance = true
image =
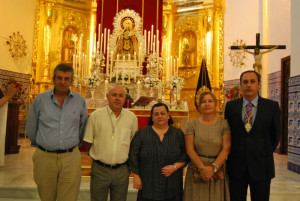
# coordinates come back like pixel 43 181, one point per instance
pixel 259 190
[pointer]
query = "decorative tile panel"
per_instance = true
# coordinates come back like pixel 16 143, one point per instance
pixel 294 125
pixel 274 86
pixel 23 79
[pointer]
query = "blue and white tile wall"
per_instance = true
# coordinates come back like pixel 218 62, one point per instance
pixel 274 86
pixel 294 125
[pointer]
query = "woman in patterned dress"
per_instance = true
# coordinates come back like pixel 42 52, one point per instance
pixel 208 142
pixel 157 155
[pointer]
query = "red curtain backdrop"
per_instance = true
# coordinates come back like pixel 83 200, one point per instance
pixel 150 13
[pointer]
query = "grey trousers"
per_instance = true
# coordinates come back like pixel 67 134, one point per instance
pixel 104 179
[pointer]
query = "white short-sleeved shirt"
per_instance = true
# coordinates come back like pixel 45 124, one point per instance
pixel 99 132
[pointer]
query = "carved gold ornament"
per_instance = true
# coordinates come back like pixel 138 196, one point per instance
pixel 17 46
pixel 237 56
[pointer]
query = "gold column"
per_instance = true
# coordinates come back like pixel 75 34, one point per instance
pixel 218 56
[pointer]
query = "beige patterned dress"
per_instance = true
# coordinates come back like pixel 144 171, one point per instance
pixel 208 142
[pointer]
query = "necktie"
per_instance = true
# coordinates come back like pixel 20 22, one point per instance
pixel 248 115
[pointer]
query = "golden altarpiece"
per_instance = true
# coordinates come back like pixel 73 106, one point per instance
pixel 191 31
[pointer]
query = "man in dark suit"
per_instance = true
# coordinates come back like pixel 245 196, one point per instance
pixel 255 133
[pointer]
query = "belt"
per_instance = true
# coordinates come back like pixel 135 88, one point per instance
pixel 212 157
pixel 57 151
pixel 110 166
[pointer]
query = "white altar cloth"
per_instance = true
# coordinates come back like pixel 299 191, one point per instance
pixel 3 119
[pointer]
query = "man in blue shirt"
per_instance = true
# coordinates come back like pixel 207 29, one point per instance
pixel 55 125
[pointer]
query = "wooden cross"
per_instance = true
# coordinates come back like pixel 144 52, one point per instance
pixel 257 53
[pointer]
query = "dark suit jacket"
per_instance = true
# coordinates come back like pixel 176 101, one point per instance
pixel 253 151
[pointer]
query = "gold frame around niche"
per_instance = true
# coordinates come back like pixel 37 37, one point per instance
pixel 52 18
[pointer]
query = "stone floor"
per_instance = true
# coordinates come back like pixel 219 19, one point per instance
pixel 16 179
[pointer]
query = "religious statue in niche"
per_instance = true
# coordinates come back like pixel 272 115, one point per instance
pixel 68 44
pixel 127 42
pixel 188 42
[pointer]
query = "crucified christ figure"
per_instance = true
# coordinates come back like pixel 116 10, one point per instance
pixel 258 56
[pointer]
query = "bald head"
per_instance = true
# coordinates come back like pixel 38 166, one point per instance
pixel 116 97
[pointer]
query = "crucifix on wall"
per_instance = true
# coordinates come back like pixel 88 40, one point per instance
pixel 257 53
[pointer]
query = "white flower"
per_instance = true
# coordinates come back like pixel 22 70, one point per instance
pixel 176 82
pixel 150 82
pixel 93 81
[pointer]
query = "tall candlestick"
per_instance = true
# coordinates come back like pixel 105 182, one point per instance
pixel 123 72
pixel 157 35
pixel 75 46
pixel 108 40
pixel 149 44
pixel 129 64
pixel 107 63
pixel 151 36
pixel 159 94
pixel 145 41
pixel 154 46
pixel 111 65
pixel 135 66
pixel 171 66
pixel 101 43
pixel 104 43
pixel 178 93
pixel 174 72
pixel 74 62
pixel 117 69
pixel 99 32
pixel 80 55
pixel 177 66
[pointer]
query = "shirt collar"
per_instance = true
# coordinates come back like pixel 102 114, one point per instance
pixel 111 112
pixel 69 94
pixel 254 101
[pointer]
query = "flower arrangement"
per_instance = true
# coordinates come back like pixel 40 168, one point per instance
pixel 126 76
pixel 151 82
pixel 176 82
pixel 20 89
pixel 93 80
pixel 233 93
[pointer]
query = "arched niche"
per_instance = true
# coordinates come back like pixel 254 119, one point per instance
pixel 70 35
pixel 188 49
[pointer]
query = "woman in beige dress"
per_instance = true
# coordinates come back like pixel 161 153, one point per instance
pixel 208 142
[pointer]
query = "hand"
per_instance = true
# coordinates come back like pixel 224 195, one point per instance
pixel 207 173
pixel 11 91
pixel 137 182
pixel 168 170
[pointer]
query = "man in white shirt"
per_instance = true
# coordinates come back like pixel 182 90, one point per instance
pixel 107 138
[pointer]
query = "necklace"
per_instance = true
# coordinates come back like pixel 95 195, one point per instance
pixel 113 135
pixel 248 125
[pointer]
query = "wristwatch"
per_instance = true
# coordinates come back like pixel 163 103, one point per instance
pixel 215 167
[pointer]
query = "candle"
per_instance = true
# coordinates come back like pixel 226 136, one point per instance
pixel 108 40
pixel 145 41
pixel 171 66
pixel 75 46
pixel 107 63
pixel 98 47
pixel 80 55
pixel 154 44
pixel 104 43
pixel 135 66
pixel 129 68
pixel 87 47
pixel 151 36
pixel 95 44
pixel 174 70
pixel 157 35
pixel 117 69
pixel 123 69
pixel 149 44
pixel 101 43
pixel 74 62
pixel 99 31
pixel 177 66
pixel 111 65
pixel 76 67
